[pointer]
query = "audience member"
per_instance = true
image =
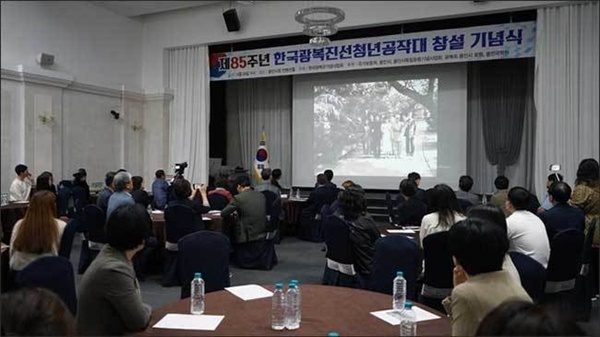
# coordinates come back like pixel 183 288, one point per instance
pixel 266 184
pixel 546 204
pixel 445 212
pixel 20 188
pixel 221 189
pixel 81 189
pixel 465 183
pixel 108 190
pixel 478 249
pixel 413 209
pixel 196 199
pixel 587 194
pixel 122 194
pixel 329 175
pixel 494 215
pixel 363 230
pixel 499 198
pixel 327 210
pixel 275 177
pixel 421 194
pixel 250 205
pixel 526 232
pixel 110 301
pixel 38 233
pixel 562 216
pixel 522 318
pixel 160 190
pixel 138 193
pixel 310 216
pixel 45 182
pixel 35 312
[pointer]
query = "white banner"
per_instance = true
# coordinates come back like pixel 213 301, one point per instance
pixel 510 40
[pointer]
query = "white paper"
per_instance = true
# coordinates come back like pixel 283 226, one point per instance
pixel 393 318
pixel 214 211
pixel 284 196
pixel 157 212
pixel 189 322
pixel 205 218
pixel 249 292
pixel 415 228
pixel 383 235
pixel 401 231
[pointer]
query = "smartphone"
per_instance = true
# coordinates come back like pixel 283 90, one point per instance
pixel 554 167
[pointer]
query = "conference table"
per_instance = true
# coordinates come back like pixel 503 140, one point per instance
pixel 212 221
pixel 324 309
pixel 292 207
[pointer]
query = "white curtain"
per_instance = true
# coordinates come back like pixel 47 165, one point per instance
pixel 252 105
pixel 188 77
pixel 566 89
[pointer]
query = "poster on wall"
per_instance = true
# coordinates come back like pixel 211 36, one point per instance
pixel 492 42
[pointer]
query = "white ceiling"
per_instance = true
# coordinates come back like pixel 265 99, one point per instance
pixel 137 8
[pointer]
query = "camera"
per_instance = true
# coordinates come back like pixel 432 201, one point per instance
pixel 179 168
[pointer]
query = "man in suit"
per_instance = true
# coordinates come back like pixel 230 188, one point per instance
pixel 310 217
pixel 561 215
pixel 421 193
pixel 110 301
pixel 108 190
pixel 413 209
pixel 122 194
pixel 499 198
pixel 478 248
pixel 464 184
pixel 251 224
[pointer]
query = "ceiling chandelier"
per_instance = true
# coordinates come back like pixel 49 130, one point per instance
pixel 320 22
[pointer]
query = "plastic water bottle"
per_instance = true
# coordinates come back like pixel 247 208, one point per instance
pixel 483 199
pixel 299 300
pixel 291 308
pixel 408 321
pixel 333 334
pixel 278 308
pixel 399 292
pixel 297 193
pixel 197 295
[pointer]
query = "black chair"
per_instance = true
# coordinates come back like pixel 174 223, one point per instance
pixel 437 278
pixel 54 273
pixel 206 252
pixel 565 261
pixel 66 242
pixel 217 201
pixel 180 220
pixel 392 254
pixel 584 285
pixel 531 273
pixel 94 220
pixel 339 268
pixel 390 208
pixel 273 210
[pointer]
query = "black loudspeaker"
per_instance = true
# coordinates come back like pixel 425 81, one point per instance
pixel 231 20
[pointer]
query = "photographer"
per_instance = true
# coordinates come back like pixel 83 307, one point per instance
pixel 196 199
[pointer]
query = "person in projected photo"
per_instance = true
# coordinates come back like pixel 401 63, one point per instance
pixel 396 136
pixel 410 131
pixel 376 135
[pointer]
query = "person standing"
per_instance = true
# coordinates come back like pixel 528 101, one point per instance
pixel 160 190
pixel 21 186
pixel 108 190
pixel 409 133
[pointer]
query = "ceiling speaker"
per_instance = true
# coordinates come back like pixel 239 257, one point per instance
pixel 45 59
pixel 231 20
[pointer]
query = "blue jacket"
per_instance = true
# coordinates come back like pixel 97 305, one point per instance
pixel 561 217
pixel 118 199
pixel 159 192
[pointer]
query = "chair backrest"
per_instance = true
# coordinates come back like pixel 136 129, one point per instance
pixel 54 273
pixel 392 254
pixel 80 198
pixel 337 239
pixel 438 261
pixel 66 242
pixel 273 223
pixel 217 201
pixel 532 274
pixel 390 207
pixel 565 260
pixel 464 205
pixel 206 252
pixel 95 219
pixel 180 220
pixel 270 197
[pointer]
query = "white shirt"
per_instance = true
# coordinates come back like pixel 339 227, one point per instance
pixel 20 260
pixel 429 224
pixel 527 235
pixel 19 190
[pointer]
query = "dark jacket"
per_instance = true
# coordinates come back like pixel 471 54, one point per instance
pixel 141 197
pixel 320 196
pixel 363 234
pixel 252 216
pixel 411 212
pixel 103 197
pixel 195 204
pixel 561 217
pixel 160 190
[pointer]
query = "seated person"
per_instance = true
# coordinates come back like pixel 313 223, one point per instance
pixel 45 182
pixel 499 198
pixel 526 232
pixel 561 215
pixel 266 185
pixel 478 248
pixel 327 210
pixel 546 204
pixel 310 216
pixel 122 194
pixel 421 193
pixel 196 199
pixel 38 234
pixel 108 190
pixel 35 312
pixel 138 193
pixel 465 183
pixel 413 209
pixel 275 177
pixel 81 189
pixel 110 301
pixel 329 175
pixel 220 189
pixel 160 190
pixel 20 188
pixel 445 212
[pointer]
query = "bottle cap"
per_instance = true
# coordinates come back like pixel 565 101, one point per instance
pixel 399 273
pixel 292 285
pixel 294 281
pixel 333 334
pixel 408 304
pixel 198 275
pixel 278 285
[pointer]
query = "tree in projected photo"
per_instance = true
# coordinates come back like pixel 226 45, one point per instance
pixel 350 119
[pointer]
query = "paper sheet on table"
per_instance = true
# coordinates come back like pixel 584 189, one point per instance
pixel 284 196
pixel 157 212
pixel 401 231
pixel 249 292
pixel 393 318
pixel 189 322
pixel 205 218
pixel 214 211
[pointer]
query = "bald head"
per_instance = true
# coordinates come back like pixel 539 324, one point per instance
pixel 560 192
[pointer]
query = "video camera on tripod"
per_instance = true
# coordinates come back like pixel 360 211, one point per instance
pixel 179 168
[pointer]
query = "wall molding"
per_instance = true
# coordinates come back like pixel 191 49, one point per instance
pixel 160 96
pixel 63 81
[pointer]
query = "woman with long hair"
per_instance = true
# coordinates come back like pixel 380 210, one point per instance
pixel 45 182
pixel 38 233
pixel 445 211
pixel 587 193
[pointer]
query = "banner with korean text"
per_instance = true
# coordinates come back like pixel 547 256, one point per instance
pixel 504 41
